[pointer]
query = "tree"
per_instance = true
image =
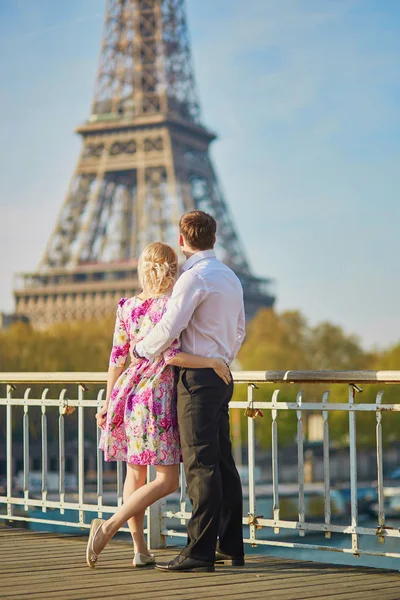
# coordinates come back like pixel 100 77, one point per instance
pixel 275 341
pixel 330 348
pixel 72 347
pixel 287 342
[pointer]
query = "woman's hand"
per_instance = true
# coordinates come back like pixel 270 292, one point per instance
pixel 101 417
pixel 221 369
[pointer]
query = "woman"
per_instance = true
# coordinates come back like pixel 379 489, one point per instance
pixel 139 416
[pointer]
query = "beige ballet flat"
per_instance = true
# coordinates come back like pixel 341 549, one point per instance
pixel 141 560
pixel 91 556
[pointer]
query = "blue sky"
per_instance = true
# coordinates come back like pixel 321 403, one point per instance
pixel 304 95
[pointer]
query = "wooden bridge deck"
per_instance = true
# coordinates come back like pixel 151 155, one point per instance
pixel 36 566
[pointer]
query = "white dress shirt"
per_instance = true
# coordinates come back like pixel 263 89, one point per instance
pixel 206 306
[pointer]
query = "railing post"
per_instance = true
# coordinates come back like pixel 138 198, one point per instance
pixel 327 479
pixel 26 448
pixel 155 519
pixel 44 450
pixel 120 483
pixel 182 499
pixel 61 450
pixel 81 453
pixel 379 465
pixel 251 464
pixel 275 476
pixel 300 462
pixel 353 468
pixel 10 389
pixel 99 460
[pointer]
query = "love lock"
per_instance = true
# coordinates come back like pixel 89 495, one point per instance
pixel 380 532
pixel 67 410
pixel 252 413
pixel 253 520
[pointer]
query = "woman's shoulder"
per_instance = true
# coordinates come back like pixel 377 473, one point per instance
pixel 137 302
pixel 126 304
pixel 153 300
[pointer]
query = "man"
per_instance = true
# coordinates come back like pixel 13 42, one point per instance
pixel 206 306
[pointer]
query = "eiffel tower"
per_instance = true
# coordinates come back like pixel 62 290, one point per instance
pixel 144 161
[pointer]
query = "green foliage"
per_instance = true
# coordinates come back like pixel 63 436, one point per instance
pixel 287 342
pixel 72 346
pixel 275 340
pixel 63 347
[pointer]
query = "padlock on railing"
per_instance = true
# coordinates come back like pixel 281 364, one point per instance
pixel 67 410
pixel 253 520
pixel 380 532
pixel 252 413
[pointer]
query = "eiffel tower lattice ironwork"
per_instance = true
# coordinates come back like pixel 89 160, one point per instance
pixel 144 160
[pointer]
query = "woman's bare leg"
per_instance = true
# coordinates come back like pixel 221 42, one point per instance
pixel 166 482
pixel 135 479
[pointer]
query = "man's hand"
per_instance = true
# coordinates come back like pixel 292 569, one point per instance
pixel 134 360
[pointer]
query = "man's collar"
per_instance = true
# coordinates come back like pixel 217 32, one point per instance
pixel 196 257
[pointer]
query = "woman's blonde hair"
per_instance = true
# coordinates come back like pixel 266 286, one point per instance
pixel 157 268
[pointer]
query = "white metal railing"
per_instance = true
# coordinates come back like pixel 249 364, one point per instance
pixel 17 508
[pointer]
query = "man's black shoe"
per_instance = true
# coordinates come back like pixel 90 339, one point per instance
pixel 237 561
pixel 185 563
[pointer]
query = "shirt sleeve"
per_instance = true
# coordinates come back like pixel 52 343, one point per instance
pixel 240 334
pixel 189 291
pixel 120 348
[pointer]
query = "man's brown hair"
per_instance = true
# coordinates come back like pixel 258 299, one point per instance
pixel 198 228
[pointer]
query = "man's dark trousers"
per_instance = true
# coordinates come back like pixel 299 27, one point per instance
pixel 212 479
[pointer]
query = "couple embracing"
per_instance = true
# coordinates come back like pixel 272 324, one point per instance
pixel 156 414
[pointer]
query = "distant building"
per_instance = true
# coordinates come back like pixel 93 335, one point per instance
pixel 7 320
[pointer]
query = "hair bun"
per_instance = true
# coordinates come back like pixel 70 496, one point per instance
pixel 158 268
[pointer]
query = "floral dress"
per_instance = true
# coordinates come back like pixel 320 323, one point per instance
pixel 141 427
